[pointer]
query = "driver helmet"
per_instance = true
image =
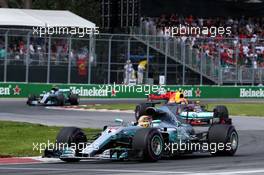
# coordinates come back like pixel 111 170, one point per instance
pixel 55 88
pixel 179 96
pixel 145 121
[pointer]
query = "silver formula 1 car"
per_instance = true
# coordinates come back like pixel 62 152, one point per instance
pixel 161 135
pixel 55 97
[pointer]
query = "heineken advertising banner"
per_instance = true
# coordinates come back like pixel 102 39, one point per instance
pixel 136 91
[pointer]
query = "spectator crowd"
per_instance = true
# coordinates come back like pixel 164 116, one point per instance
pixel 38 51
pixel 244 45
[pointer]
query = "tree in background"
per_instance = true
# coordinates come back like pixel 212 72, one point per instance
pixel 3 3
pixel 27 4
pixel 88 9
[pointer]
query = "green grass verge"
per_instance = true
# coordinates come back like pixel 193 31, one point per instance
pixel 243 109
pixel 17 138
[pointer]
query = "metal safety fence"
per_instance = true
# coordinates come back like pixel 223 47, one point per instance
pixel 95 59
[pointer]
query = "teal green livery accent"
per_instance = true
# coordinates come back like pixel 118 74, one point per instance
pixel 197 114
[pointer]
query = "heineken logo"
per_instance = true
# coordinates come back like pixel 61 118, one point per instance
pixel 16 90
pixel 186 92
pixel 198 92
pixel 91 92
pixel 251 93
pixel 4 90
pixel 9 90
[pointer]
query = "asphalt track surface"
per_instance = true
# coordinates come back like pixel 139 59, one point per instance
pixel 248 160
pixel 17 110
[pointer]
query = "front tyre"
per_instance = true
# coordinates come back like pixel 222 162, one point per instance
pixel 69 136
pixel 149 143
pixel 30 99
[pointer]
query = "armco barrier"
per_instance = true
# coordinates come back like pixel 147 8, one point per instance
pixel 137 91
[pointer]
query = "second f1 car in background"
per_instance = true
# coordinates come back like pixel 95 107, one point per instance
pixel 55 97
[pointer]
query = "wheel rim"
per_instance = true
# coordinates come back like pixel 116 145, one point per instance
pixel 137 113
pixel 234 140
pixel 156 145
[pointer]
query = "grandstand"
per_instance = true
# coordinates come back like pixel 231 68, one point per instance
pixel 140 34
pixel 237 58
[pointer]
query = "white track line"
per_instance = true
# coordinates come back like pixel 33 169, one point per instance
pixel 233 172
pixel 94 170
pixel 91 110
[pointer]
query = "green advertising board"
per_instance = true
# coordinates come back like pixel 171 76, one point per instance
pixel 136 91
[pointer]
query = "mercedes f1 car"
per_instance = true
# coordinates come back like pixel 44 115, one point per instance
pixel 160 133
pixel 56 97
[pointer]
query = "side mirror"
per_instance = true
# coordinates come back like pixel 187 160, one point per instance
pixel 134 123
pixel 105 127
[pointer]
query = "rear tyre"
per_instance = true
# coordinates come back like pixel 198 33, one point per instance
pixel 69 136
pixel 223 140
pixel 221 114
pixel 141 109
pixel 30 99
pixel 149 143
pixel 74 99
